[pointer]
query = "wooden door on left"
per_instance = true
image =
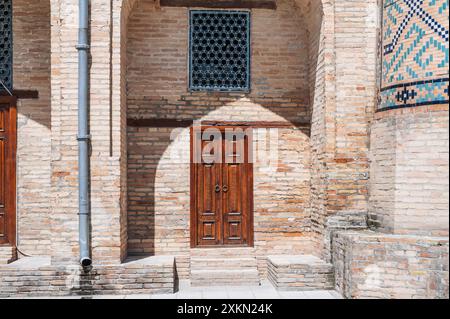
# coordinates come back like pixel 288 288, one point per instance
pixel 8 131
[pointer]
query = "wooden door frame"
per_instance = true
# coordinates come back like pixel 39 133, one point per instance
pixel 193 191
pixel 10 102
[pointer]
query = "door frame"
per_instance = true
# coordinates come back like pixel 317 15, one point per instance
pixel 193 191
pixel 10 102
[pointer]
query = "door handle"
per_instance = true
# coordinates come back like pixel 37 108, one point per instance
pixel 217 188
pixel 225 189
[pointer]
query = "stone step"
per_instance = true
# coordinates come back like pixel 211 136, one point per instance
pixel 8 254
pixel 224 267
pixel 223 252
pixel 222 277
pixel 203 263
pixel 300 272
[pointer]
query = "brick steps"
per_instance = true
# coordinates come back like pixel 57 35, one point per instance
pixel 302 272
pixel 224 267
pixel 223 252
pixel 226 277
pixel 222 263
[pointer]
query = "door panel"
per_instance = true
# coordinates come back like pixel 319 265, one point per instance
pixel 7 170
pixel 209 211
pixel 234 190
pixel 222 196
pixel 2 189
pixel 208 201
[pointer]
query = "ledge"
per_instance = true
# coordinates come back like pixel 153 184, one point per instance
pixel 175 123
pixel 222 4
pixel 385 113
pixel 22 94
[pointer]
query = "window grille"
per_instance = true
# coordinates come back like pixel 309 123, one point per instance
pixel 219 50
pixel 6 44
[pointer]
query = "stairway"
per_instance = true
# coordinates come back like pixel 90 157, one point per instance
pixel 224 267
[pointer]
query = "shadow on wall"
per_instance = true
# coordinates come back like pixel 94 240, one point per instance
pixel 32 71
pixel 31 60
pixel 159 180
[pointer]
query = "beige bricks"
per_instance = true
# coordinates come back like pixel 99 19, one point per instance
pixel 158 186
pixel 313 62
pixel 300 272
pixel 34 277
pixel 31 31
pixel 224 267
pixel 375 265
pixel 7 254
pixel 409 184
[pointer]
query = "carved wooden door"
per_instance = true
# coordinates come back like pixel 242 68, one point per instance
pixel 222 190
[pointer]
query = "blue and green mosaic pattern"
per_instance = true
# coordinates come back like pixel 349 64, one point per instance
pixel 415 53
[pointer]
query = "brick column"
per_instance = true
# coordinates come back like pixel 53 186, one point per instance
pixel 105 127
pixel 344 100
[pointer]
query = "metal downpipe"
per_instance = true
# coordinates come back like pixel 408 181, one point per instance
pixel 83 134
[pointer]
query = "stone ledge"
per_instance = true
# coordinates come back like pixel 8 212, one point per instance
pixel 36 277
pixel 7 255
pixel 302 272
pixel 377 265
pixel 411 110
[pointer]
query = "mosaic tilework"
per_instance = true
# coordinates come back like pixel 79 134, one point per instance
pixel 415 53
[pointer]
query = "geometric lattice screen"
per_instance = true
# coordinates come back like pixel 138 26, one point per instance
pixel 6 43
pixel 219 50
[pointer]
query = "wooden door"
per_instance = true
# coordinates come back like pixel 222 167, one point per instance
pixel 222 190
pixel 7 171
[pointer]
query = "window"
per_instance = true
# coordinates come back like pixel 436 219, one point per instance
pixel 6 44
pixel 219 51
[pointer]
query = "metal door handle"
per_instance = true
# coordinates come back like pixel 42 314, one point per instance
pixel 225 189
pixel 217 188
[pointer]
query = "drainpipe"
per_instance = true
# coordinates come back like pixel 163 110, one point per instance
pixel 83 135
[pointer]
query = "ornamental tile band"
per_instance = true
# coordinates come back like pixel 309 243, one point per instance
pixel 416 53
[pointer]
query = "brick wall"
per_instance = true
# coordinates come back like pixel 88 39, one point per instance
pixel 158 58
pixel 7 254
pixel 36 277
pixel 31 32
pixel 375 265
pixel 158 187
pixel 355 42
pixel 319 70
pixel 343 107
pixel 107 161
pixel 159 193
pixel 409 186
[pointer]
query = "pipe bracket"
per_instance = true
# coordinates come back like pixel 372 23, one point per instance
pixel 82 46
pixel 84 138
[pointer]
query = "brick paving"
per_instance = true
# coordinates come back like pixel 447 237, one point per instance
pixel 265 291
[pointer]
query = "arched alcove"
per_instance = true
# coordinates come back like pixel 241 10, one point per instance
pixel 288 85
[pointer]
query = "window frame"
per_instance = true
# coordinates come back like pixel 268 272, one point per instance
pixel 10 60
pixel 191 87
